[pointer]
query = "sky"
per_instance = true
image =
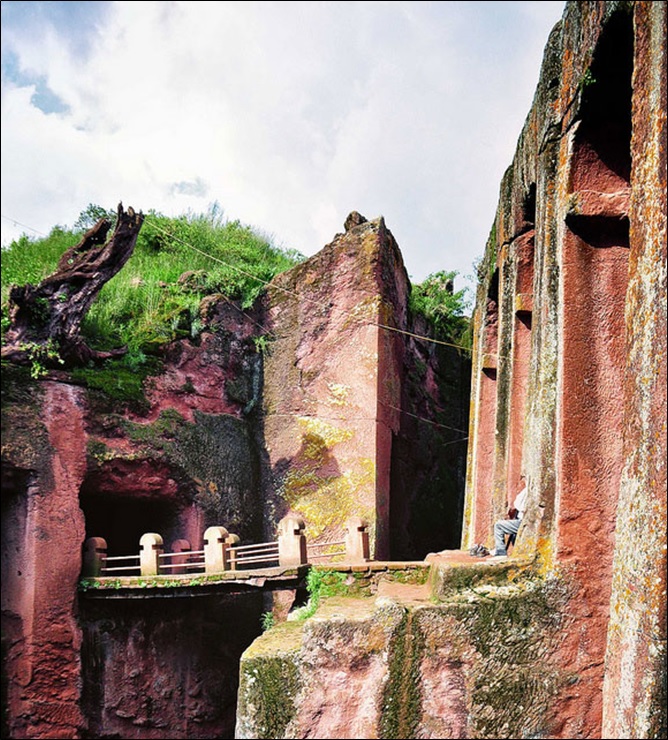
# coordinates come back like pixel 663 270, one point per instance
pixel 286 115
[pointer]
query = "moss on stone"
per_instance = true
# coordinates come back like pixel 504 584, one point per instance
pixel 217 458
pixel 402 696
pixel 25 438
pixel 217 451
pixel 270 682
pixel 99 451
pixel 156 434
pixel 116 383
pixel 508 635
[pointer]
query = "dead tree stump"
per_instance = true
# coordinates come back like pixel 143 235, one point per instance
pixel 45 320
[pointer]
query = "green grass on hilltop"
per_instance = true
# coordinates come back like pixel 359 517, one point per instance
pixel 145 304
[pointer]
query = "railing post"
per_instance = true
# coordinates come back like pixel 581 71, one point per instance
pixel 231 541
pixel 357 540
pixel 150 548
pixel 215 550
pixel 291 541
pixel 94 555
pixel 180 546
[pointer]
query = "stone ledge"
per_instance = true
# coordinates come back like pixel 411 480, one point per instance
pixel 524 303
pixel 594 204
pixel 454 570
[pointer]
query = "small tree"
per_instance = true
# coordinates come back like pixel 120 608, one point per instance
pixel 444 308
pixel 91 215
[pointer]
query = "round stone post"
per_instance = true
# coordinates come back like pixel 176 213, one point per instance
pixel 215 549
pixel 150 548
pixel 291 541
pixel 94 555
pixel 231 541
pixel 180 546
pixel 357 540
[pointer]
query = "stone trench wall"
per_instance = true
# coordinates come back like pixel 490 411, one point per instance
pixel 569 365
pixel 567 639
pixel 229 433
pixel 331 384
pixel 42 531
pixel 351 409
pixel 75 464
pixel 164 668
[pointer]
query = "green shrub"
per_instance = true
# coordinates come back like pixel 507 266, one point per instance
pixel 321 584
pixel 267 621
pixel 443 307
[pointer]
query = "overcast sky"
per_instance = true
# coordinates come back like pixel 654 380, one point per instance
pixel 289 115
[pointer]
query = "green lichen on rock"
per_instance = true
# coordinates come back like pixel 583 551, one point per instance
pixel 154 435
pixel 269 683
pixel 315 487
pixel 98 451
pixel 159 433
pixel 402 696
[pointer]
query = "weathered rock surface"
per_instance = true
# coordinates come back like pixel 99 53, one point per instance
pixel 408 663
pixel 351 400
pixel 233 430
pixel 569 364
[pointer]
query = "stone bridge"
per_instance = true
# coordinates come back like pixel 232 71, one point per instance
pixel 222 565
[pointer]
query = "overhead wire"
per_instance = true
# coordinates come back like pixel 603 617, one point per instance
pixel 310 300
pixel 293 294
pixel 18 223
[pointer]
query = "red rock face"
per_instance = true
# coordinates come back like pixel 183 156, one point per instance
pixel 40 574
pixel 165 668
pixel 331 384
pixel 594 333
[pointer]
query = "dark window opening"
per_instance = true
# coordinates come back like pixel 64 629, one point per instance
pixel 122 520
pixel 493 290
pixel 606 105
pixel 524 317
pixel 601 231
pixel 529 205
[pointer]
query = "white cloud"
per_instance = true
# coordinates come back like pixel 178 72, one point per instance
pixel 289 114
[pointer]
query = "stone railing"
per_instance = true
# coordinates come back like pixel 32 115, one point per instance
pixel 222 552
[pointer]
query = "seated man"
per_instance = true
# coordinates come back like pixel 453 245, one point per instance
pixel 510 525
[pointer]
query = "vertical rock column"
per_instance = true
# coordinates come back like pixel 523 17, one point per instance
pixel 44 701
pixel 634 699
pixel 332 384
